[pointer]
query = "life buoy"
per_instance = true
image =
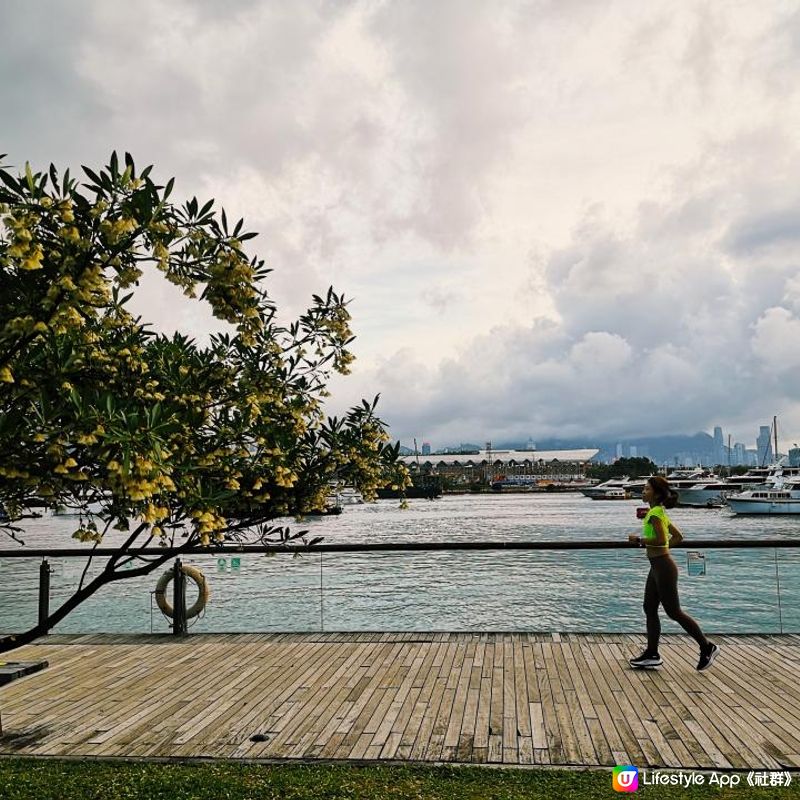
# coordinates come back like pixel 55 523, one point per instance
pixel 203 591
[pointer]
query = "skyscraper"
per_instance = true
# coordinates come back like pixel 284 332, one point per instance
pixel 426 448
pixel 719 446
pixel 764 446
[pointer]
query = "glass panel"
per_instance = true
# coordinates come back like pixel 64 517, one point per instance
pixel 789 574
pixel 19 594
pixel 570 590
pixel 738 593
pixel 485 590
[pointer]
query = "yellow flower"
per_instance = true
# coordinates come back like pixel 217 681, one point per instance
pixel 5 375
pixel 32 262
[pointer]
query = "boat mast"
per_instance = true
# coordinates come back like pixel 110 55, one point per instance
pixel 775 430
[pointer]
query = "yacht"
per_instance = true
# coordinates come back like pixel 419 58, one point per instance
pixel 710 493
pixel 613 494
pixel 698 488
pixel 780 494
pixel 633 486
pixel 346 496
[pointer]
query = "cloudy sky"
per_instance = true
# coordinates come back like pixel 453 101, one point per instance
pixel 554 218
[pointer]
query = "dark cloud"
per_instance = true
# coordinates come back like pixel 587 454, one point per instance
pixel 777 228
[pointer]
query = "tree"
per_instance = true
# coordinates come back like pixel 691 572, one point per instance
pixel 632 467
pixel 172 442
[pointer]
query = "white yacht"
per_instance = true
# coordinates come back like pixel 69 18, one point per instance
pixel 631 486
pixel 780 494
pixel 346 496
pixel 697 487
pixel 709 493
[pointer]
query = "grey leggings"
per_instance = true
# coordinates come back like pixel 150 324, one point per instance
pixel 662 587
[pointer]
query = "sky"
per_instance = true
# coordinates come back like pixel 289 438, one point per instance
pixel 566 218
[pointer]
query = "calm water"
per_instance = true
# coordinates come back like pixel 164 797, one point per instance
pixel 501 591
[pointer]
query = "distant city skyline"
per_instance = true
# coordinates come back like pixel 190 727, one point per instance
pixel 717 452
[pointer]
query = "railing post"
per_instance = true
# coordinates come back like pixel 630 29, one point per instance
pixel 179 600
pixel 44 593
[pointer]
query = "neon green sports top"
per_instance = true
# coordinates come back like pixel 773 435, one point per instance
pixel 649 536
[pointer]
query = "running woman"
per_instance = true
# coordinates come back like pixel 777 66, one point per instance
pixel 662 580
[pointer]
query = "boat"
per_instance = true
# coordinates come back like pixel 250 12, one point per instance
pixel 707 494
pixel 346 496
pixel 634 486
pixel 500 482
pixel 329 510
pixel 613 494
pixel 780 494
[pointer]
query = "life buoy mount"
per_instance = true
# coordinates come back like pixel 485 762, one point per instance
pixel 203 591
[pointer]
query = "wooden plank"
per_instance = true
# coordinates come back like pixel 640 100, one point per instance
pixel 400 695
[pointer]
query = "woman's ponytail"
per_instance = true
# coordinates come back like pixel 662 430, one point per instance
pixel 665 494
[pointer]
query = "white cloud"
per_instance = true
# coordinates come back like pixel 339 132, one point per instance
pixel 565 218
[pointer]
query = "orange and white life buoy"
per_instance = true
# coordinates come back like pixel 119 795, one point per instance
pixel 203 591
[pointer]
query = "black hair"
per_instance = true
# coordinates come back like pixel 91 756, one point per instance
pixel 665 495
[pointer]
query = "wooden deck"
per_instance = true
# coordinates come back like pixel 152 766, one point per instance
pixel 482 697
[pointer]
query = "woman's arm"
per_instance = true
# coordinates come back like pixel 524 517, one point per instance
pixel 661 532
pixel 677 536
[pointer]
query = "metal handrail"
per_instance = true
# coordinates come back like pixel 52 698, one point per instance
pixel 24 552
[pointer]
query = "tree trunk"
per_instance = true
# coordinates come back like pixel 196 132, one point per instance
pixel 106 576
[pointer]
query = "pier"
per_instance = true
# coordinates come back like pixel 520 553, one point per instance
pixel 499 698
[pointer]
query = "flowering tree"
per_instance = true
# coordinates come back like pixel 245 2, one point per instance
pixel 156 436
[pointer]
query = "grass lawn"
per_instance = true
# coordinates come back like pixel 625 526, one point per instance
pixel 107 780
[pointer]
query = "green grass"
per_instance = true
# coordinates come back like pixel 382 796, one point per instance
pixel 108 780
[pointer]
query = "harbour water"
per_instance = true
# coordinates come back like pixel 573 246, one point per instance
pixel 753 590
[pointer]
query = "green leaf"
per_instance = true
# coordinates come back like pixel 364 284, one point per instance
pixel 93 176
pixel 10 181
pixel 29 176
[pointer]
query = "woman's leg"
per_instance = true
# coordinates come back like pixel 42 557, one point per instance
pixel 651 601
pixel 665 574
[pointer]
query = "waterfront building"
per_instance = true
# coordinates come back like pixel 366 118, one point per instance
pixel 483 465
pixel 426 448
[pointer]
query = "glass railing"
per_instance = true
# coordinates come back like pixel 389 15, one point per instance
pixel 744 590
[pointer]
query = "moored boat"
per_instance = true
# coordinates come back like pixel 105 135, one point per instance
pixel 633 486
pixel 613 494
